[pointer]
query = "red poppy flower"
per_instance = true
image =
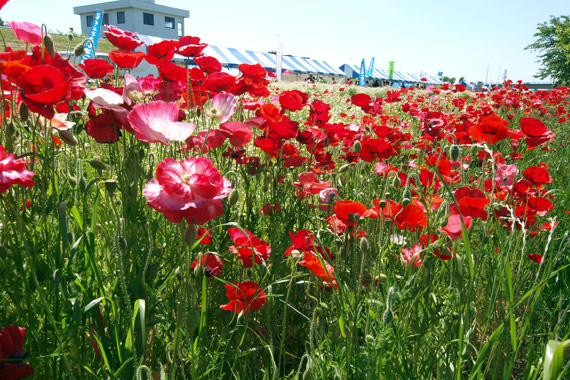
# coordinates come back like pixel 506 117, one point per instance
pixel 205 234
pixel 218 82
pixel 412 218
pixel 190 46
pixel 310 184
pixel 13 172
pixel 453 226
pixel 12 347
pixel 535 131
pixel 161 52
pixel 247 246
pixel 472 202
pixel 302 241
pixel 537 175
pixel 323 270
pixel 43 86
pixel 244 297
pixel 212 265
pixel 270 209
pixel 349 212
pixel 535 257
pixel 96 68
pixel 104 128
pixel 490 130
pixel 208 65
pixel 126 59
pixel 373 149
pixel 122 39
pixel 293 100
pixel 238 133
pixel 361 100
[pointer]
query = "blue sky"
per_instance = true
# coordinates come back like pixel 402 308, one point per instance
pixel 459 38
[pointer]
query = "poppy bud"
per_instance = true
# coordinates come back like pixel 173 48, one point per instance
pixel 406 201
pixel 67 137
pixel 24 112
pixel 397 182
pixel 82 184
pixel 79 49
pixel 296 254
pixel 357 146
pixel 388 317
pixel 190 234
pixel 234 197
pixel 48 45
pixel 364 245
pixel 344 168
pixel 70 36
pixel 96 164
pixel 454 152
pixel 407 194
pixel 72 180
pixel 10 130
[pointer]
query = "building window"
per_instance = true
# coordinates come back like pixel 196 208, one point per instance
pixel 179 29
pixel 169 22
pixel 105 19
pixel 89 20
pixel 121 17
pixel 148 18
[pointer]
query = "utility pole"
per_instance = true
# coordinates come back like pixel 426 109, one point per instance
pixel 487 75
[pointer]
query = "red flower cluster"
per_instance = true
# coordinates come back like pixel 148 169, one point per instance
pixel 12 354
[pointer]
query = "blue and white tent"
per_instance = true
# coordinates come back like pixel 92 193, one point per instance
pixel 353 71
pixel 232 58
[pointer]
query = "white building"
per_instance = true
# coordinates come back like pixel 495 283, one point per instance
pixel 141 16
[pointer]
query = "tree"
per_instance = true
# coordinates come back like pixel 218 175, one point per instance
pixel 553 42
pixel 448 79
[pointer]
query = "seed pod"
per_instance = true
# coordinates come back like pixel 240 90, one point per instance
pixel 357 146
pixel 190 234
pixel 364 245
pixel 234 197
pixel 454 152
pixel 82 184
pixel 96 164
pixel 110 185
pixel 48 45
pixel 24 112
pixel 70 36
pixel 79 49
pixel 382 204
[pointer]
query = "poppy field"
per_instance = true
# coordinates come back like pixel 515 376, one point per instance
pixel 207 226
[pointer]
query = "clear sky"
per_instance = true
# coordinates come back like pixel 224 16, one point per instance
pixel 457 37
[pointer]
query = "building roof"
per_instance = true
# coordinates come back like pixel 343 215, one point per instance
pixel 138 4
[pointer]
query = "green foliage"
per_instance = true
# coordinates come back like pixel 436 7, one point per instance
pixel 553 43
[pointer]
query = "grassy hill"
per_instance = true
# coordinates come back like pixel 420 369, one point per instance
pixel 61 42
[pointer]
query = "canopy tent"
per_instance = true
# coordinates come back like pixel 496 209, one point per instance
pixel 232 58
pixel 353 71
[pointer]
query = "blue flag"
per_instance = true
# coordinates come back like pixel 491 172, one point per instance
pixel 371 67
pixel 362 73
pixel 93 35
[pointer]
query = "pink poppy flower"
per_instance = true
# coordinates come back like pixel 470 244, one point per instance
pixel 27 32
pixel 157 121
pixel 505 176
pixel 223 106
pixel 13 172
pixel 191 189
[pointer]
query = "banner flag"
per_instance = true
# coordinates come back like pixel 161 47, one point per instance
pixel 93 35
pixel 391 65
pixel 362 73
pixel 279 63
pixel 371 67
